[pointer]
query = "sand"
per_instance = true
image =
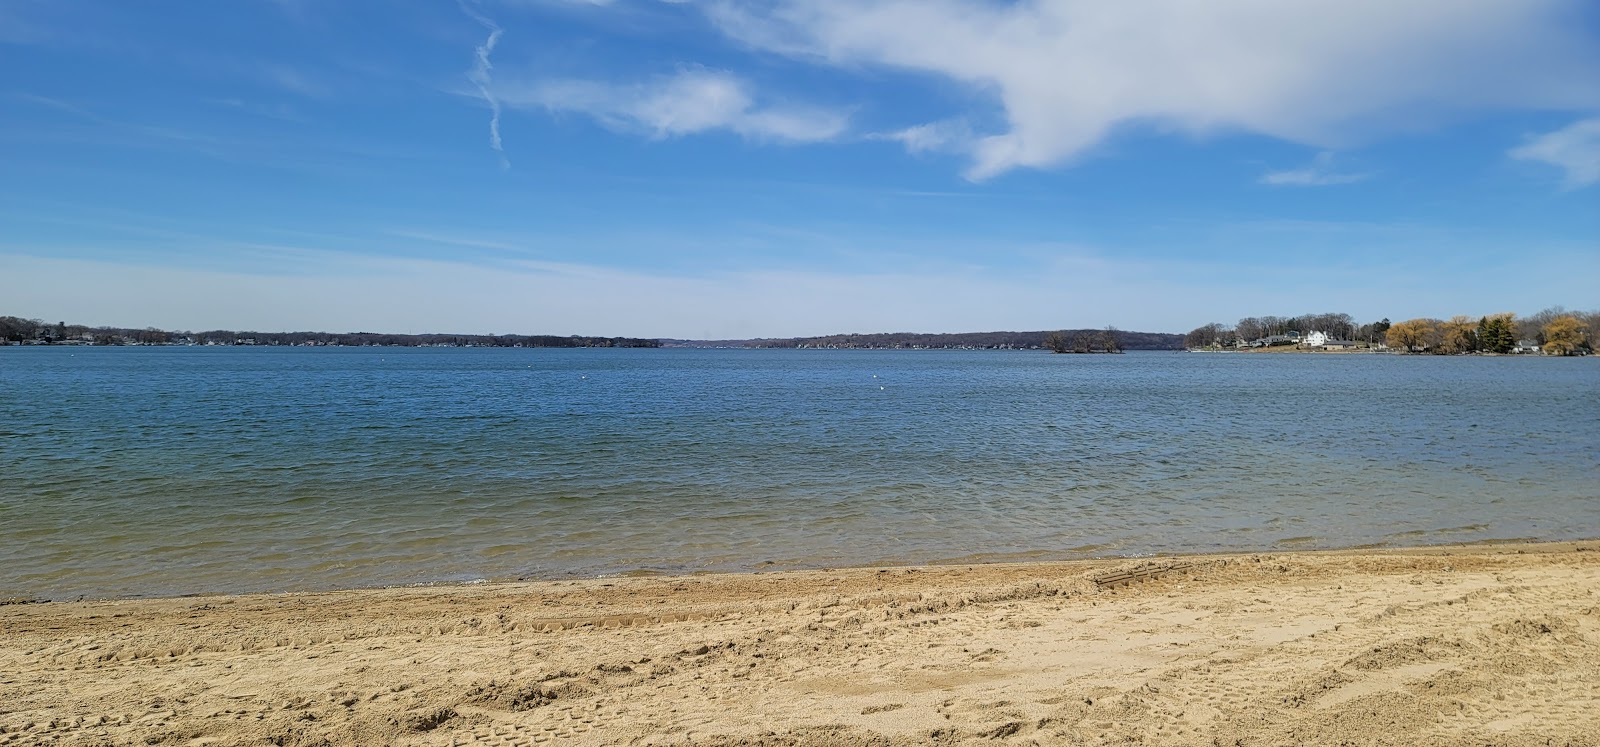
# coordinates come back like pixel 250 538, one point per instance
pixel 1450 646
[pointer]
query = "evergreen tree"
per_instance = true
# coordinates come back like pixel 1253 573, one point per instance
pixel 1497 333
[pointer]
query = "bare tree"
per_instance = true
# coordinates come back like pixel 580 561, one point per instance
pixel 1532 327
pixel 1082 342
pixel 1109 342
pixel 1056 342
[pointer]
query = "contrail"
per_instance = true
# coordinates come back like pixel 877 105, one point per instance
pixel 480 76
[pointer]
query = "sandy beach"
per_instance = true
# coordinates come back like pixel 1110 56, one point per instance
pixel 1477 645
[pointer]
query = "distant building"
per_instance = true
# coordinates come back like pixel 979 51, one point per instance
pixel 1526 346
pixel 1326 341
pixel 1275 340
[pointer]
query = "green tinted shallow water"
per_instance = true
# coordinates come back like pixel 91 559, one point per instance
pixel 143 471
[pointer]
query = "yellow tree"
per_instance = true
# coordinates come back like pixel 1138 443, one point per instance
pixel 1414 334
pixel 1565 335
pixel 1459 335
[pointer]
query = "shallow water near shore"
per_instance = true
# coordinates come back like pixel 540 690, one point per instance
pixel 157 471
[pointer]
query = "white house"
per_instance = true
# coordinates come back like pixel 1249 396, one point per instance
pixel 1315 339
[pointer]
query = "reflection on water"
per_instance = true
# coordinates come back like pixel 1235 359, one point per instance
pixel 176 470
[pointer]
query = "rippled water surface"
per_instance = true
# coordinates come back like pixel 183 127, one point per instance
pixel 135 471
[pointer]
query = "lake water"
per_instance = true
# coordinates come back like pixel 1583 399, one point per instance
pixel 153 471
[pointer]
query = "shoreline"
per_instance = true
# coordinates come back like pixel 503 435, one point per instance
pixel 1027 558
pixel 1374 351
pixel 1485 643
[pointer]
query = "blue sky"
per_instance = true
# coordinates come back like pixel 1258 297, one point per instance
pixel 787 167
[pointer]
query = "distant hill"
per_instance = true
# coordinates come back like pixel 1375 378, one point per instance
pixel 668 342
pixel 19 331
pixel 937 341
pixel 15 330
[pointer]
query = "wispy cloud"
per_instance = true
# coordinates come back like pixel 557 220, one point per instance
pixel 480 75
pixel 598 3
pixel 1320 173
pixel 300 11
pixel 116 131
pixel 1575 149
pixel 471 242
pixel 951 135
pixel 280 112
pixel 16 26
pixel 294 81
pixel 55 103
pixel 692 101
pixel 1068 73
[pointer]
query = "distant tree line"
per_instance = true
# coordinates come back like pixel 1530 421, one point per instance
pixel 1101 340
pixel 34 331
pixel 1554 331
pixel 1259 328
pixel 1084 341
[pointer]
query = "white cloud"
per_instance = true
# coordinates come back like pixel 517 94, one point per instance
pixel 692 101
pixel 952 135
pixel 1575 149
pixel 1320 173
pixel 480 75
pixel 1329 73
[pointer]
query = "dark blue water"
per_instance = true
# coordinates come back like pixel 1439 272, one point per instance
pixel 133 471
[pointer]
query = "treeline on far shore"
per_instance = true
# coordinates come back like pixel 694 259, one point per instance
pixel 1103 340
pixel 19 331
pixel 1553 331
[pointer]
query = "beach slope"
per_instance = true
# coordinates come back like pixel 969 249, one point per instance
pixel 1462 645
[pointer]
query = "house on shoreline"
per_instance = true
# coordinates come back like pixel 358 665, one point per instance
pixel 1289 338
pixel 1326 342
